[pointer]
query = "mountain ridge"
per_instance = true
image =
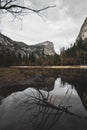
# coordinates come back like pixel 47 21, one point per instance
pixel 7 42
pixel 11 50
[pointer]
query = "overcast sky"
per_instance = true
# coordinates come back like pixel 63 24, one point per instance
pixel 61 25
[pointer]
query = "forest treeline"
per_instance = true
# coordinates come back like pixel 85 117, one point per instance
pixel 75 55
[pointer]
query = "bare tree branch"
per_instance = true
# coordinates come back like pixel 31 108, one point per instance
pixel 12 7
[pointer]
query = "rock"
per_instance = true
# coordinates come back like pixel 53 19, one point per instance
pixel 44 48
pixel 83 32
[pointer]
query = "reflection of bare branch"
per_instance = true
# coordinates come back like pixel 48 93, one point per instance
pixel 44 109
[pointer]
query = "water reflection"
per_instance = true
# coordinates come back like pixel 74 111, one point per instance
pixel 39 81
pixel 53 105
pixel 80 86
pixel 82 92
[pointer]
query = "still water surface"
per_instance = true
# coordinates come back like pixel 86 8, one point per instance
pixel 40 109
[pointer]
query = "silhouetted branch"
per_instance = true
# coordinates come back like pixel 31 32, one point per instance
pixel 11 7
pixel 43 110
pixel 42 101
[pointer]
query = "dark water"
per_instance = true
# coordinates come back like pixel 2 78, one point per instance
pixel 54 104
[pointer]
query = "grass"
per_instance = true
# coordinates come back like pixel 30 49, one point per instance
pixel 15 75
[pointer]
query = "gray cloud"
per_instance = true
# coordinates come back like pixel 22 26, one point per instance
pixel 42 3
pixel 62 23
pixel 76 8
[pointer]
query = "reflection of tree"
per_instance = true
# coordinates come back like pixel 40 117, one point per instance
pixel 82 92
pixel 79 81
pixel 45 112
pixel 37 81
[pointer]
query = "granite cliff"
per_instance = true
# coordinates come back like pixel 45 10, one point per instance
pixel 83 32
pixel 44 48
pixel 20 52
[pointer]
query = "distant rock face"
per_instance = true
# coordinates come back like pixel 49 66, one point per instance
pixel 45 48
pixel 6 44
pixel 83 32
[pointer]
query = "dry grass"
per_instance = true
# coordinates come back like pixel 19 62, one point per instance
pixel 11 75
pixel 8 76
pixel 16 74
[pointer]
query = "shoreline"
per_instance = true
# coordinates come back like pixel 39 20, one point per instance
pixel 21 75
pixel 49 67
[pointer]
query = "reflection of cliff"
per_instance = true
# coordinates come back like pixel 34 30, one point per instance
pixel 38 81
pixel 80 85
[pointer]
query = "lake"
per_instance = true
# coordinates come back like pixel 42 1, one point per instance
pixel 46 102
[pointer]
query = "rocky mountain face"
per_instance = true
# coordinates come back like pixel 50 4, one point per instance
pixel 83 32
pixel 6 44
